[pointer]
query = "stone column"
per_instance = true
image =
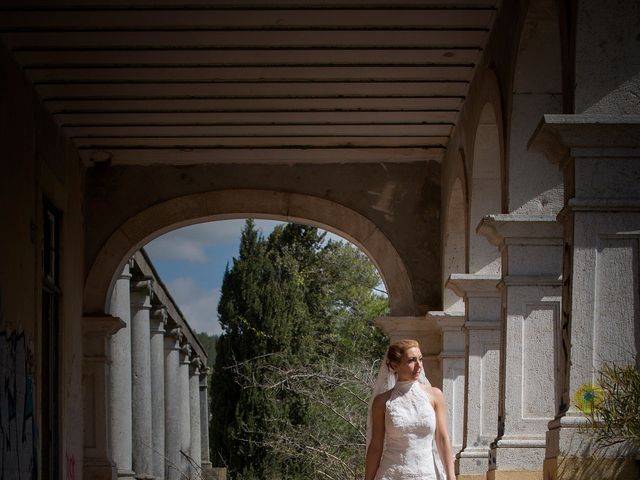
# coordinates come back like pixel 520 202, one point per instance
pixel 204 419
pixel 141 378
pixel 600 158
pixel 531 248
pixel 97 463
pixel 172 403
pixel 120 433
pixel 158 322
pixel 453 376
pixel 185 410
pixel 195 444
pixel 482 360
pixel 426 331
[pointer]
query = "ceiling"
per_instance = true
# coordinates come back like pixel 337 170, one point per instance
pixel 153 81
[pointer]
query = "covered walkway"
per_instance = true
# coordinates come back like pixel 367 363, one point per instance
pixel 483 153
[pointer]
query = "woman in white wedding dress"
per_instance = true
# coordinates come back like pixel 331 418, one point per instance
pixel 408 423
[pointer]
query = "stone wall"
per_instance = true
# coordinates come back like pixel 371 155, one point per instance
pixel 37 162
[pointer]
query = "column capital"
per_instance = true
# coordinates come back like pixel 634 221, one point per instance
pixel 560 137
pixel 405 325
pixel 142 286
pixel 159 317
pixel 105 325
pixel 187 351
pixel 512 229
pixel 173 338
pixel 474 285
pixel 126 270
pixel 204 375
pixel 447 321
pixel 450 325
pixel 96 330
pixel 196 366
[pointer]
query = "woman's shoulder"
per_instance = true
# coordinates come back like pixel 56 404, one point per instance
pixel 382 398
pixel 434 393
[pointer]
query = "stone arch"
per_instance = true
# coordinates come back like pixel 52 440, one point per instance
pixel 454 244
pixel 534 184
pixel 485 192
pixel 178 212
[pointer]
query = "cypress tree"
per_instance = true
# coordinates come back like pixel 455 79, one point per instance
pixel 287 303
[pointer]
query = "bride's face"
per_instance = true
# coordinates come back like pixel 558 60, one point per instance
pixel 410 365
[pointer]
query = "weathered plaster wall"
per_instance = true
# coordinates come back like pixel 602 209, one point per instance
pixel 401 199
pixel 36 161
pixel 607 75
pixel 516 42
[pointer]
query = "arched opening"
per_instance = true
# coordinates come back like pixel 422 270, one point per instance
pixel 260 204
pixel 192 261
pixel 485 192
pixel 454 253
pixel 292 306
pixel 534 184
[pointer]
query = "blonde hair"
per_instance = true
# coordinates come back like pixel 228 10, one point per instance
pixel 396 350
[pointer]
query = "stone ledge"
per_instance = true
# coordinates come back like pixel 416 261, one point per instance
pixel 422 324
pixel 531 280
pixel 512 442
pixel 447 321
pixel 521 229
pixel 556 135
pixel 601 205
pixel 474 452
pixel 474 285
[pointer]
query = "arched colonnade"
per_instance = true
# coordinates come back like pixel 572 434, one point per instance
pixel 499 345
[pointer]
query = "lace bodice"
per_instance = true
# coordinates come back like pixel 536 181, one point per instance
pixel 410 423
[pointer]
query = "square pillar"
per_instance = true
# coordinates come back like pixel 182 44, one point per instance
pixel 96 332
pixel 600 158
pixel 426 331
pixel 453 376
pixel 531 248
pixel 481 335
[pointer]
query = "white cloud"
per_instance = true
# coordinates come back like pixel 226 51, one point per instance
pixel 199 305
pixel 190 243
pixel 177 249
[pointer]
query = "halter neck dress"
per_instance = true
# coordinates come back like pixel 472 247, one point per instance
pixel 410 425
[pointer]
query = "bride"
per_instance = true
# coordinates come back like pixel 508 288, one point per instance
pixel 408 422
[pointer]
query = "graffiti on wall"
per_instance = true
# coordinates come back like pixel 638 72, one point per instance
pixel 71 467
pixel 18 439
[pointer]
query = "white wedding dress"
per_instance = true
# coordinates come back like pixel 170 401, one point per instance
pixel 410 424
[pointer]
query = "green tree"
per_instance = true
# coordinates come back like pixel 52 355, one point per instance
pixel 291 305
pixel 208 343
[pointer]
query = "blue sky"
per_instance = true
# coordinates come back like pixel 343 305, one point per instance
pixel 191 262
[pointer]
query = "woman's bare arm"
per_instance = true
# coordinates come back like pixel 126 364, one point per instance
pixel 442 433
pixel 374 452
